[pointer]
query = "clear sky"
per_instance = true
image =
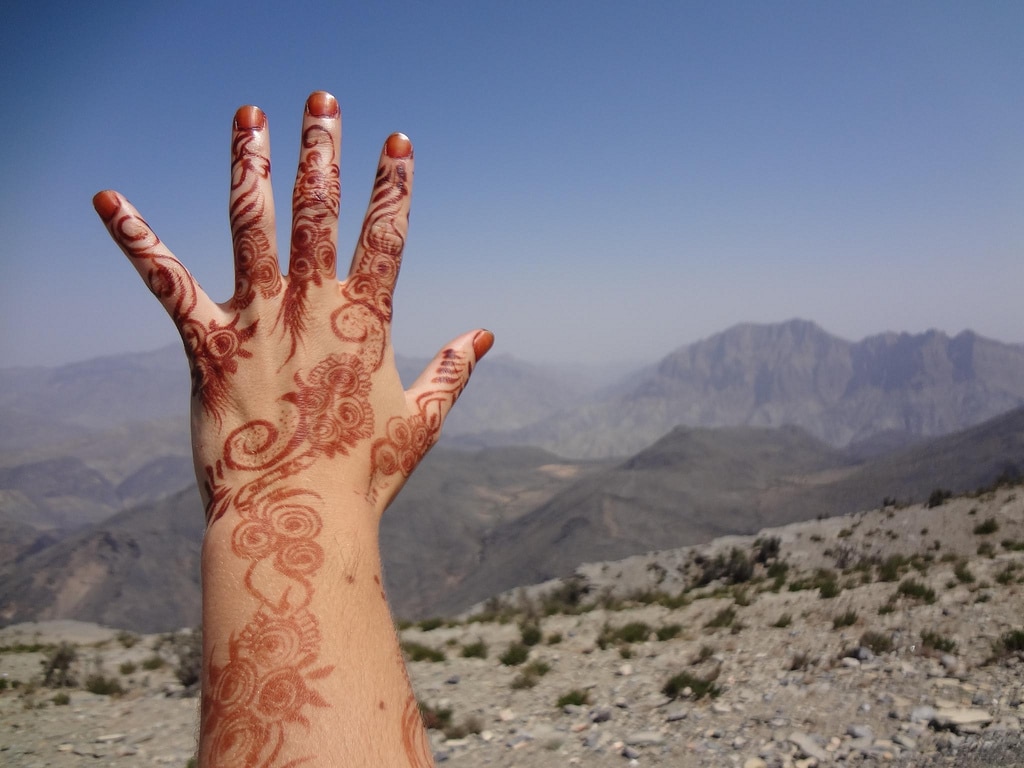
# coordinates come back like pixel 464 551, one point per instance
pixel 594 180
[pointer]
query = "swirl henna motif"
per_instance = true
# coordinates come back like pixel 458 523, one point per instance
pixel 256 269
pixel 282 378
pixel 266 683
pixel 409 439
pixel 315 204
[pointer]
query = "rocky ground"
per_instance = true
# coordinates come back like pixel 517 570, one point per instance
pixel 892 636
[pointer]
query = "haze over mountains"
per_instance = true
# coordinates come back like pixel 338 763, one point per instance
pixel 539 470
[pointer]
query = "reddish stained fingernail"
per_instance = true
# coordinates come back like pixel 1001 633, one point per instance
pixel 398 146
pixel 250 118
pixel 105 203
pixel 482 343
pixel 322 104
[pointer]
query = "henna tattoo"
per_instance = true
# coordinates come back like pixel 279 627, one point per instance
pixel 213 353
pixel 212 349
pixel 256 268
pixel 414 736
pixel 408 439
pixel 267 683
pixel 315 203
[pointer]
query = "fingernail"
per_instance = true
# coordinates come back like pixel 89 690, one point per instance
pixel 322 104
pixel 482 343
pixel 250 118
pixel 398 146
pixel 105 203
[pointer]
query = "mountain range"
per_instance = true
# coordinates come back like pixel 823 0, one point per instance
pixel 541 468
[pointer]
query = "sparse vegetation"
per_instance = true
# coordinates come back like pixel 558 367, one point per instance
pixel 783 621
pixel 876 642
pixel 987 526
pixel 515 655
pixel 477 650
pixel 103 685
pixel 938 497
pixel 937 642
pixel 530 674
pixel 724 618
pixel 963 573
pixel 127 667
pixel 846 619
pixel 530 633
pixel 127 639
pixel 418 652
pixel 668 631
pixel 911 587
pixel 429 625
pixel 575 697
pixel 57 666
pixel 687 684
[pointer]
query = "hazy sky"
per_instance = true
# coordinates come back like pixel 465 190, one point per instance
pixel 594 180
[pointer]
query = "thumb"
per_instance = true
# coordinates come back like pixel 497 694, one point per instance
pixel 434 393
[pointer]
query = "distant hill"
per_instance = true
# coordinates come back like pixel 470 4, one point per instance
pixel 139 569
pixel 902 386
pixel 696 484
pixel 470 525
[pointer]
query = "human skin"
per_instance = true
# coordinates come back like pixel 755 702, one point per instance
pixel 302 434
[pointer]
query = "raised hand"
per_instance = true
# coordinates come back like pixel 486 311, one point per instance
pixel 302 432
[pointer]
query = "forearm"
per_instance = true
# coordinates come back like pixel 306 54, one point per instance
pixel 301 658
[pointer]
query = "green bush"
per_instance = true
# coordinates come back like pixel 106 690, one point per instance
pixel 103 686
pixel 911 587
pixel 989 525
pixel 57 666
pixel 724 618
pixel 575 697
pixel 516 654
pixel 668 631
pixel 699 687
pixel 846 619
pixel 153 662
pixel 937 642
pixel 938 497
pixel 477 650
pixel 127 639
pixel 878 643
pixel 127 667
pixel 429 625
pixel 419 652
pixel 61 699
pixel 783 621
pixel 963 573
pixel 530 634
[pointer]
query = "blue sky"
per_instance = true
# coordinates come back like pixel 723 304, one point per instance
pixel 595 181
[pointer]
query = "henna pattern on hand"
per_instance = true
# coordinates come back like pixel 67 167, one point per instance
pixel 315 204
pixel 256 268
pixel 414 736
pixel 266 683
pixel 409 439
pixel 212 349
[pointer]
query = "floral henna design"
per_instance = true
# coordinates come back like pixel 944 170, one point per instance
pixel 256 268
pixel 315 204
pixel 213 353
pixel 409 439
pixel 267 682
pixel 213 349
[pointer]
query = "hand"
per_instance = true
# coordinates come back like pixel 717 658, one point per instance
pixel 300 423
pixel 297 371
